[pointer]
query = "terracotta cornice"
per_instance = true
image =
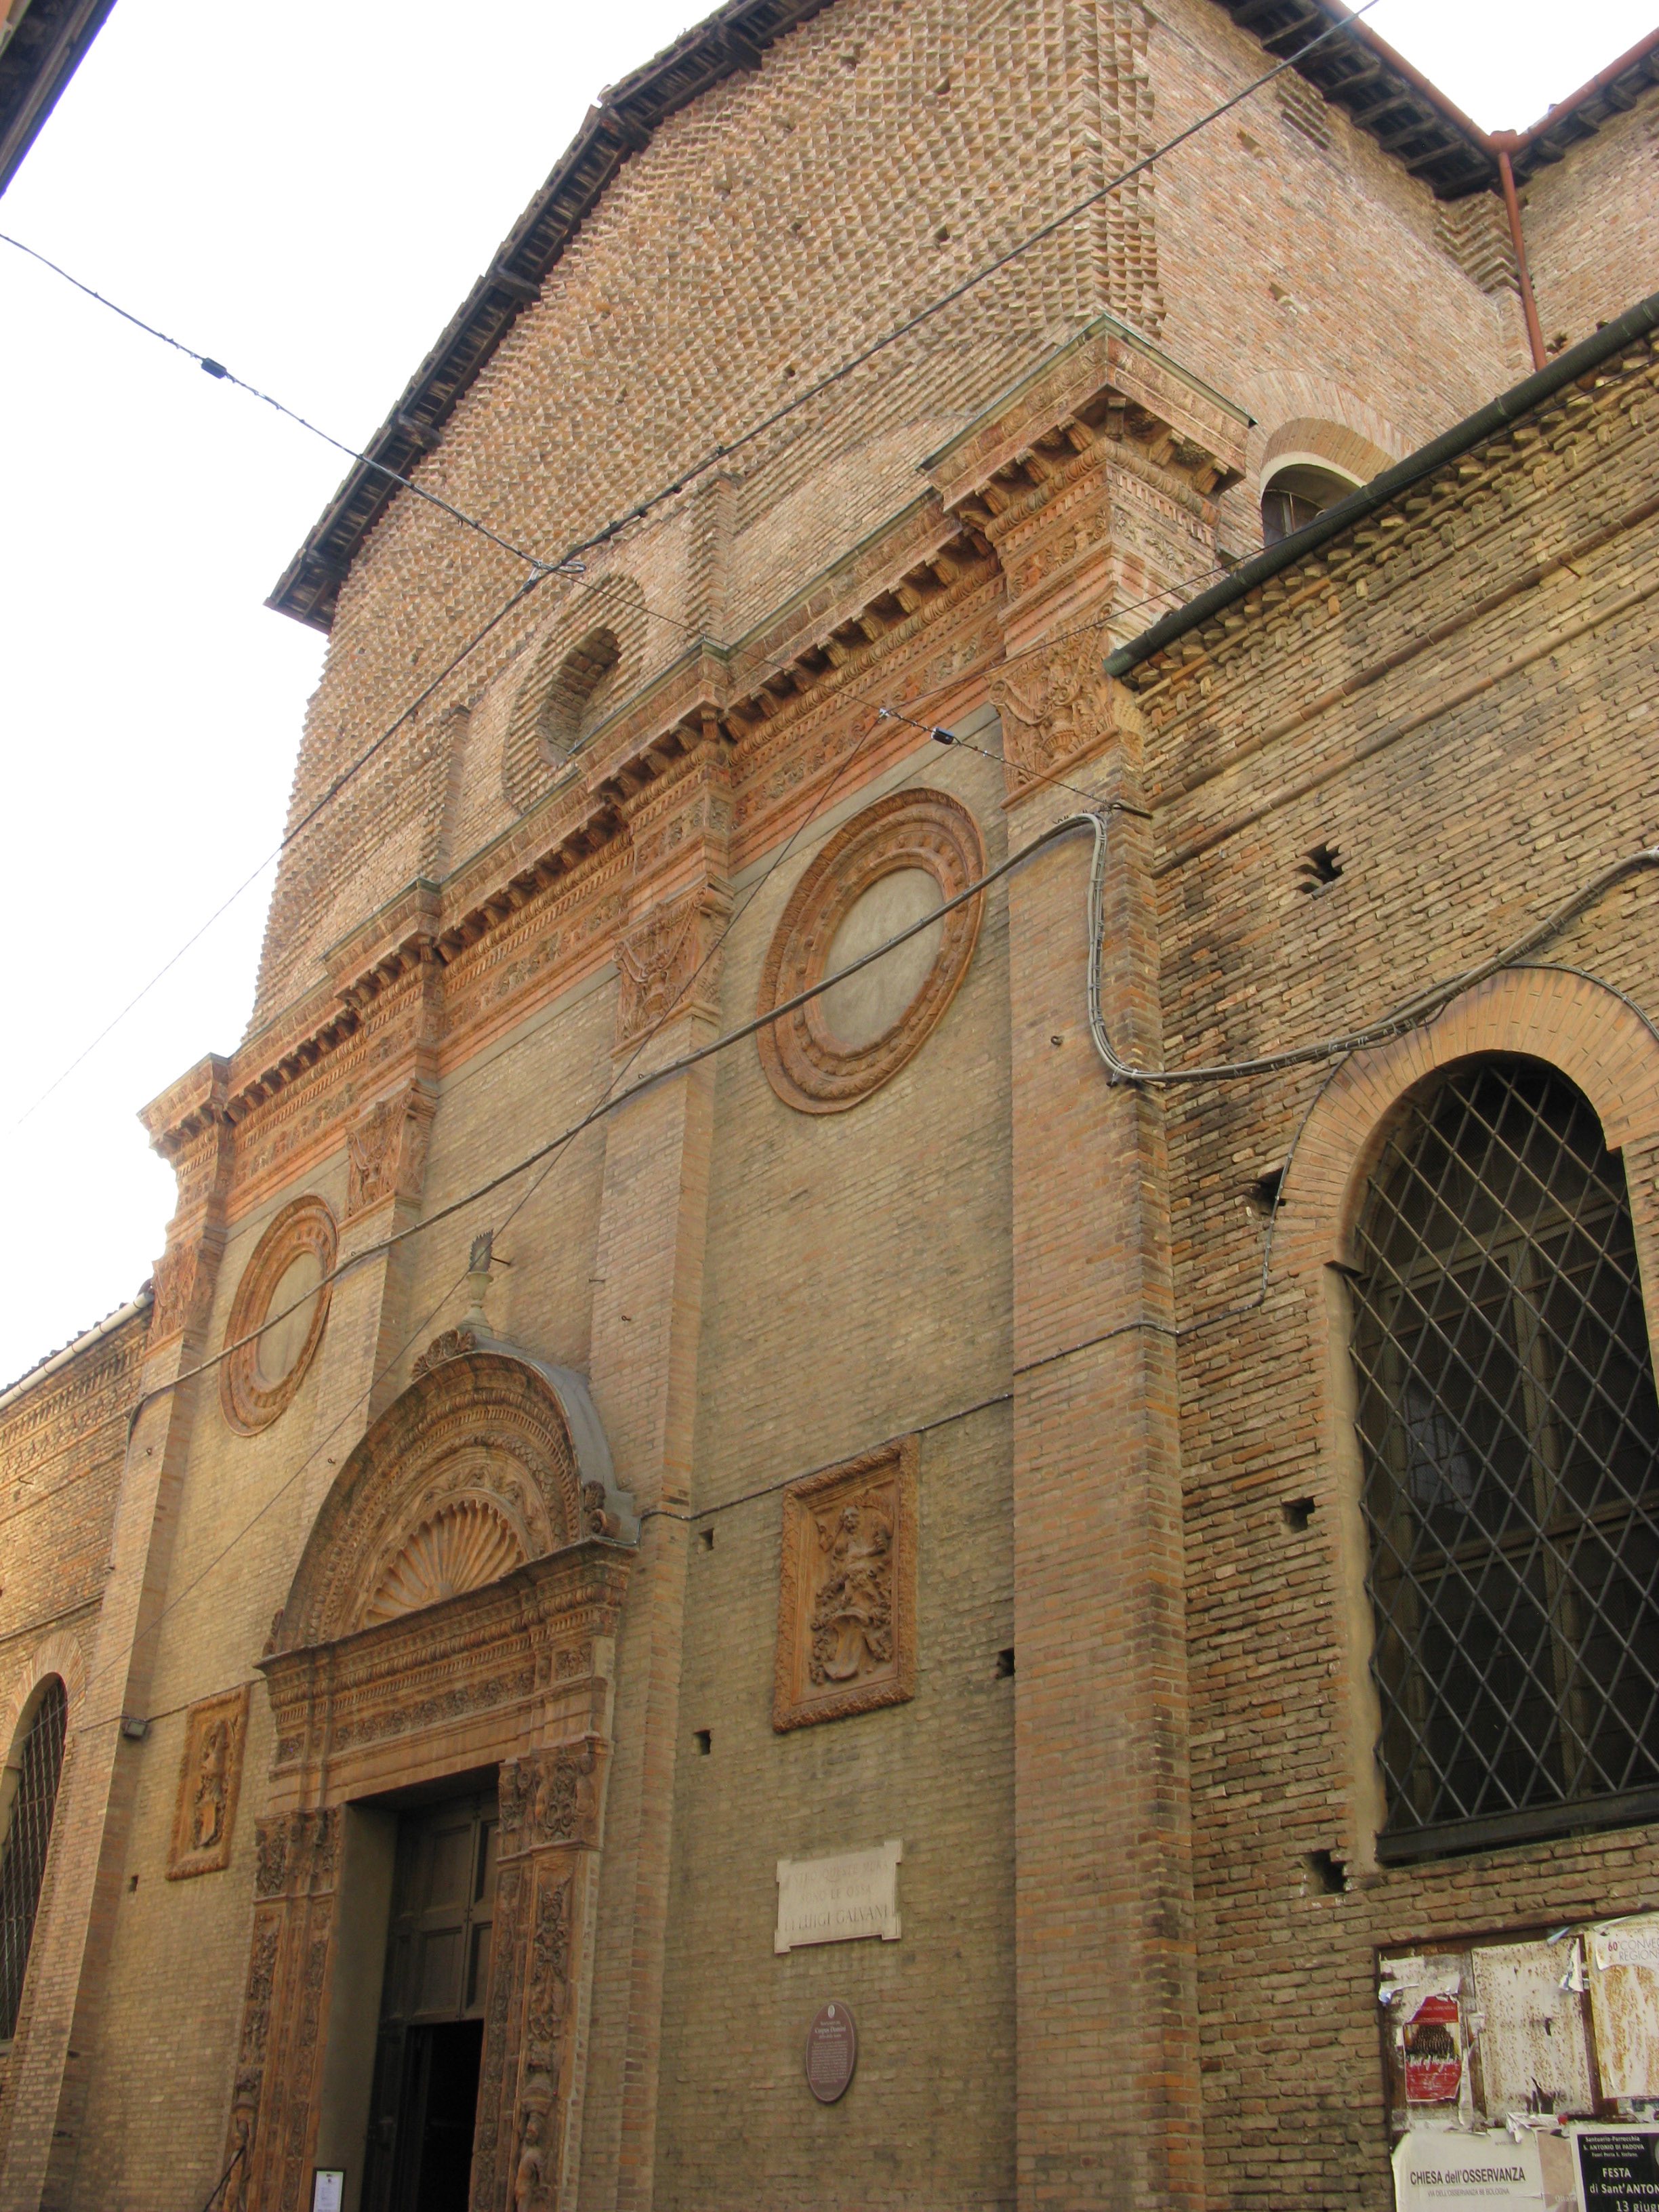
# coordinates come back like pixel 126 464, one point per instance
pixel 1107 396
pixel 188 1106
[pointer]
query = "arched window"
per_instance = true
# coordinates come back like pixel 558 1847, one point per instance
pixel 1510 1438
pixel 1293 496
pixel 39 1762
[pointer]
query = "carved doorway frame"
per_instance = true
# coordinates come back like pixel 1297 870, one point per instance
pixel 489 1450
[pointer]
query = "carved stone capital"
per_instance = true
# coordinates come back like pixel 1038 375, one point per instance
pixel 667 965
pixel 386 1150
pixel 1058 706
pixel 552 1798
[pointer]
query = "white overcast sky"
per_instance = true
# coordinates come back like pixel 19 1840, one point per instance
pixel 305 192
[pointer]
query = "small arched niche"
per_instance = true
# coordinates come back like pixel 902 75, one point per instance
pixel 577 694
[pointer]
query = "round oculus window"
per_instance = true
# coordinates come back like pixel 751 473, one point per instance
pixel 890 868
pixel 280 1307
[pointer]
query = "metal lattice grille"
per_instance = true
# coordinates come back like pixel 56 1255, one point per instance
pixel 24 1864
pixel 1509 1428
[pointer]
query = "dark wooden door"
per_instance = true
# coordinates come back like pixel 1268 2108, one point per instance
pixel 437 1975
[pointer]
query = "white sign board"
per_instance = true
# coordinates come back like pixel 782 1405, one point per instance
pixel 1435 2171
pixel 327 2188
pixel 840 1899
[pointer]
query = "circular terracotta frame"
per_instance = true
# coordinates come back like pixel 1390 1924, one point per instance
pixel 803 1064
pixel 249 1405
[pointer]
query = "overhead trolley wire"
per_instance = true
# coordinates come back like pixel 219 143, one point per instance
pixel 550 1154
pixel 569 562
pixel 223 375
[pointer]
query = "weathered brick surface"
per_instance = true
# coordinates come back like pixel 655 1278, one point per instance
pixel 1592 224
pixel 1116 1984
pixel 1478 817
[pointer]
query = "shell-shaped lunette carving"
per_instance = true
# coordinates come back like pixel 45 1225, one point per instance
pixel 460 1548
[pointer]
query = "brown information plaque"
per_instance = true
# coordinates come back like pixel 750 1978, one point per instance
pixel 832 2052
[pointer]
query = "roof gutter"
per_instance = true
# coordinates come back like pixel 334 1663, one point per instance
pixel 74 1350
pixel 1559 109
pixel 1638 322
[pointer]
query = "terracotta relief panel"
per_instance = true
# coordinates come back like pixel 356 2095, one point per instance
pixel 274 2106
pixel 527 2100
pixel 1056 705
pixel 209 1779
pixel 664 968
pixel 847 1595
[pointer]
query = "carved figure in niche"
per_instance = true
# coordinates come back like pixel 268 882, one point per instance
pixel 529 2188
pixel 847 1590
pixel 851 1615
pixel 210 1773
pixel 212 1787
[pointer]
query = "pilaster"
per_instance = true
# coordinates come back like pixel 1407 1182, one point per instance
pixel 68 1975
pixel 647 1315
pixel 1086 491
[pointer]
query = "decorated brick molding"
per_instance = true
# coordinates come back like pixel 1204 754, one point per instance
pixel 210 1781
pixel 1594 1037
pixel 488 1461
pixel 847 1591
pixel 259 1379
pixel 809 1066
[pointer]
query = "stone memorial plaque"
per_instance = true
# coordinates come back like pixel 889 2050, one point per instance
pixel 1618 2168
pixel 838 1900
pixel 832 2052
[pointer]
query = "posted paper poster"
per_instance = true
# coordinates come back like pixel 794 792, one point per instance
pixel 1434 2052
pixel 1434 2168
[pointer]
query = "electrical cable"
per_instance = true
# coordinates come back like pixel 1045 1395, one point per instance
pixel 277 851
pixel 217 370
pixel 569 562
pixel 551 1153
pixel 943 736
pixel 809 392
pixel 947 299
pixel 1411 1013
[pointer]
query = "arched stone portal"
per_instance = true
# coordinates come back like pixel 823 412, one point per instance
pixel 455 1608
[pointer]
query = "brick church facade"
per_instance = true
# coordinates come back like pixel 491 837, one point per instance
pixel 648 1499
